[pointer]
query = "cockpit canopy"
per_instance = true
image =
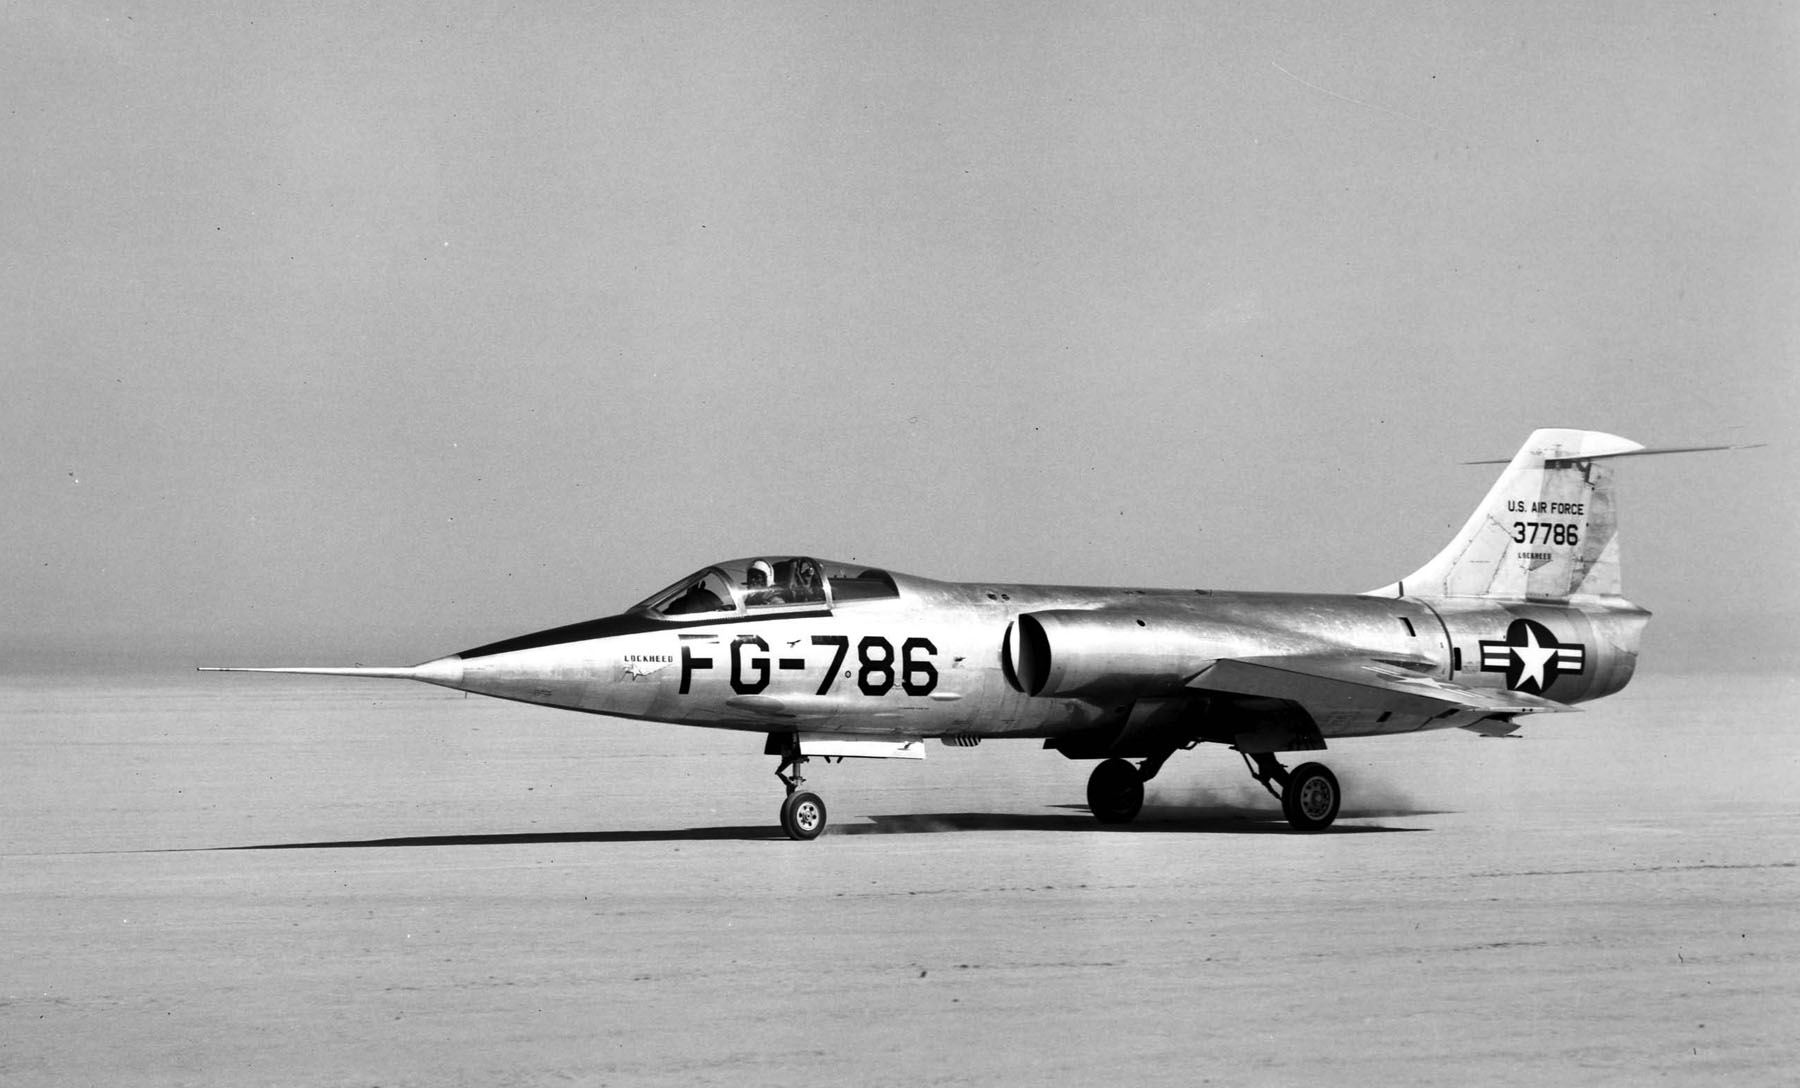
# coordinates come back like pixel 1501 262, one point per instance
pixel 768 584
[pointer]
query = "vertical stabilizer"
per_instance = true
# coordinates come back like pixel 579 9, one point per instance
pixel 1547 531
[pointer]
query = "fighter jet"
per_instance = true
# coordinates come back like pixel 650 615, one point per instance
pixel 1520 614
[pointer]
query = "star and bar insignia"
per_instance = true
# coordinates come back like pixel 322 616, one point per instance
pixel 1531 657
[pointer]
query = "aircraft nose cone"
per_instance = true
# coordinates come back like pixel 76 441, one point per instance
pixel 447 671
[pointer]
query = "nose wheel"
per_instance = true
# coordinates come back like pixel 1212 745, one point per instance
pixel 803 816
pixel 803 813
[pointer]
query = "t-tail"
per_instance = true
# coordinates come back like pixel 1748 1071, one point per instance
pixel 1548 530
pixel 1529 592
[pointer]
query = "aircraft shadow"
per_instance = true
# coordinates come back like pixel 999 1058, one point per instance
pixel 531 838
pixel 1208 820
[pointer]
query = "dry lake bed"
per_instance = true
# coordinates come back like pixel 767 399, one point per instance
pixel 254 880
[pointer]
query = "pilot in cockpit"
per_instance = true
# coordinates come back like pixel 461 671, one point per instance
pixel 759 582
pixel 792 581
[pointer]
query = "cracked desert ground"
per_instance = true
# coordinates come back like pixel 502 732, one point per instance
pixel 252 880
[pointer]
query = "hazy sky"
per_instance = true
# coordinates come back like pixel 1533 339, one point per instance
pixel 370 333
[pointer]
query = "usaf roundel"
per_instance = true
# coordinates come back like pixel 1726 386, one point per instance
pixel 1531 657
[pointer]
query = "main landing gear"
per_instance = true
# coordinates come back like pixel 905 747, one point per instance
pixel 1309 793
pixel 1115 791
pixel 803 813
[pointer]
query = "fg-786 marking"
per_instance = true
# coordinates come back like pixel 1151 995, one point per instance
pixel 877 672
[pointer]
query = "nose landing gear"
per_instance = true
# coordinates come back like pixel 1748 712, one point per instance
pixel 803 816
pixel 802 813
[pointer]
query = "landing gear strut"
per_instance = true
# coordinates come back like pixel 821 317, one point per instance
pixel 1309 793
pixel 803 813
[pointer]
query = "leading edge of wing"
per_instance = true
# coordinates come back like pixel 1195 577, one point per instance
pixel 1359 682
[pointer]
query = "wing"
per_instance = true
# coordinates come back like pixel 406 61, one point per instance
pixel 1345 689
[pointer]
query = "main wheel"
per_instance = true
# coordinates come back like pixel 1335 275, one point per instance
pixel 803 816
pixel 1115 792
pixel 1310 800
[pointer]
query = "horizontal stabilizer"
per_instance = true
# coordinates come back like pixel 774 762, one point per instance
pixel 1357 682
pixel 1640 452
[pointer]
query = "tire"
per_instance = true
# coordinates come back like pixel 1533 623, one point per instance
pixel 1115 792
pixel 803 816
pixel 1311 798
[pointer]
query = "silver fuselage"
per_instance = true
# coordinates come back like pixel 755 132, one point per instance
pixel 945 659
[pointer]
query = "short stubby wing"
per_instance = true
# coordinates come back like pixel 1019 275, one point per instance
pixel 1355 694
